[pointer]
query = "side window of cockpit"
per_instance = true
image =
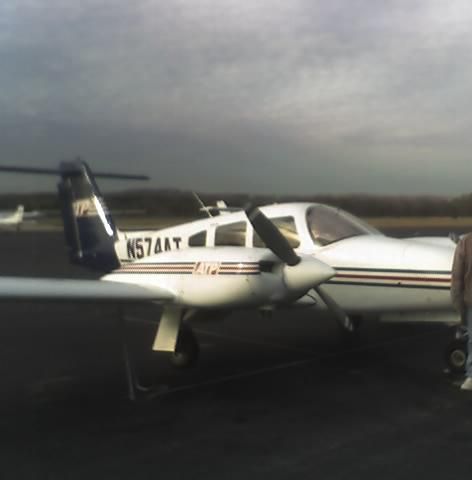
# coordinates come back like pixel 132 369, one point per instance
pixel 287 228
pixel 233 235
pixel 198 239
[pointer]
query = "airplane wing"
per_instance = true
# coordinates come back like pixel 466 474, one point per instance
pixel 44 289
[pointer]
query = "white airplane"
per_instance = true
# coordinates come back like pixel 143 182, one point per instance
pixel 278 256
pixel 13 217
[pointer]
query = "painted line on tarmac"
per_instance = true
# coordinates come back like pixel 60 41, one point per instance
pixel 283 366
pixel 371 346
pixel 236 376
pixel 255 342
pixel 230 337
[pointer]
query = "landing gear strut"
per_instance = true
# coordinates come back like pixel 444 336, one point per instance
pixel 132 382
pixel 350 338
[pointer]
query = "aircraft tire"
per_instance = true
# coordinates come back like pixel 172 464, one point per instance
pixel 455 355
pixel 187 349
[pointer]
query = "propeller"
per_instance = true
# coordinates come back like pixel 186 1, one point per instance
pixel 272 237
pixel 300 271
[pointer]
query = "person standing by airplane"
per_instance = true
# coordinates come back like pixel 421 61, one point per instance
pixel 461 295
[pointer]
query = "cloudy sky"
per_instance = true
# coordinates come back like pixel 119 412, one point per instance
pixel 273 96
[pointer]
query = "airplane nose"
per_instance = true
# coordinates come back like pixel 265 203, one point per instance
pixel 307 274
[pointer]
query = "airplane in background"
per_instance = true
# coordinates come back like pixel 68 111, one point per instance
pixel 274 257
pixel 12 218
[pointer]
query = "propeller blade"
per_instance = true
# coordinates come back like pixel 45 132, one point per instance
pixel 272 237
pixel 343 320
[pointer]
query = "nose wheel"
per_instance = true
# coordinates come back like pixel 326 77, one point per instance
pixel 455 354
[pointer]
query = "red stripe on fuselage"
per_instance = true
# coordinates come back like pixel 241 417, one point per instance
pixel 393 277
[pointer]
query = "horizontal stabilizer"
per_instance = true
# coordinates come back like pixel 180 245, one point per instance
pixel 57 290
pixel 57 171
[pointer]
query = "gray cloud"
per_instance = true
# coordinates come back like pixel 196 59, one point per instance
pixel 268 95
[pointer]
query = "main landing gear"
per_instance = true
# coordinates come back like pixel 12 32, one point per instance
pixel 455 354
pixel 185 355
pixel 187 349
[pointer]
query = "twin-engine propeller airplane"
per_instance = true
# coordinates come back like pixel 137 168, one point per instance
pixel 279 256
pixel 182 281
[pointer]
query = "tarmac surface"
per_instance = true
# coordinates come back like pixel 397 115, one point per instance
pixel 281 397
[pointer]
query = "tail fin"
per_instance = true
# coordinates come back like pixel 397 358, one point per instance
pixel 89 229
pixel 19 213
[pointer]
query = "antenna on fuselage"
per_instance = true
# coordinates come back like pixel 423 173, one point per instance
pixel 203 207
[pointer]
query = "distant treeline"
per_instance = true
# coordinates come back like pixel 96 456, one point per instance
pixel 183 203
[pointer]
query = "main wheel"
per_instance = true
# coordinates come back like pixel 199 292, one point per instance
pixel 186 350
pixel 456 355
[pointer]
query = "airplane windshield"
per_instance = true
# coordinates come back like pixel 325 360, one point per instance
pixel 328 225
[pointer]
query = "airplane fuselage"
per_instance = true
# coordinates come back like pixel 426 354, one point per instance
pixel 374 273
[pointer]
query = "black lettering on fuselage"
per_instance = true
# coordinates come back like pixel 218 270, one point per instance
pixel 131 251
pixel 137 248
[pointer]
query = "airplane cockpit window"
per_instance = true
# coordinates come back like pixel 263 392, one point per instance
pixel 328 225
pixel 233 235
pixel 198 239
pixel 287 228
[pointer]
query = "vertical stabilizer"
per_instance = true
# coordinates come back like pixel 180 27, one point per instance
pixel 19 213
pixel 89 229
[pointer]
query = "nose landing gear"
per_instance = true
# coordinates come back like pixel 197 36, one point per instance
pixel 455 354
